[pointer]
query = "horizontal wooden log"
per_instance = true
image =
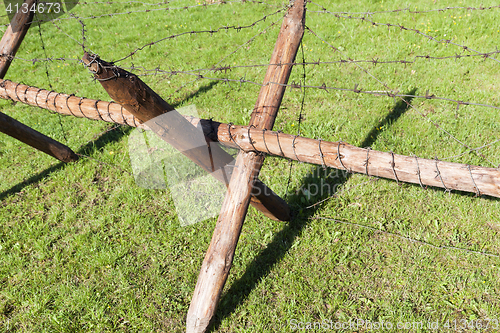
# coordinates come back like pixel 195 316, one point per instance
pixel 343 156
pixel 454 176
pixel 67 104
pixel 29 136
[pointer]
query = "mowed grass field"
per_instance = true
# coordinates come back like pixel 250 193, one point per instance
pixel 84 249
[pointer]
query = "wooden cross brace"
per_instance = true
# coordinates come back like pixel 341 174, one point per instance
pixel 219 257
pixel 339 155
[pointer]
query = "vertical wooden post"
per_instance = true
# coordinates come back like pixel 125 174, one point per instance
pixel 219 257
pixel 9 45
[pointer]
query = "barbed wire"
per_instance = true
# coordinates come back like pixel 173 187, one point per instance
pixel 92 17
pixel 324 86
pixel 197 73
pixel 209 31
pixel 473 149
pixel 391 91
pixel 300 117
pixel 71 37
pixel 217 67
pixel 205 4
pixel 117 3
pixel 374 61
pixel 249 41
pixel 42 43
pixel 406 9
pixel 131 54
pixel 413 240
pixel 387 93
pixel 218 2
pixel 51 59
pixel 416 31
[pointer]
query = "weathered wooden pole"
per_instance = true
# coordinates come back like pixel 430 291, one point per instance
pixel 14 35
pixel 410 169
pixel 147 106
pixel 219 257
pixel 9 45
pixel 37 140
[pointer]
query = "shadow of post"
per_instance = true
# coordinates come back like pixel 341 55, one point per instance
pixel 283 240
pixel 106 138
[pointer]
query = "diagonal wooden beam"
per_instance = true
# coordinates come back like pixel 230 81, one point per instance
pixel 147 106
pixel 9 45
pixel 219 257
pixel 13 36
pixel 35 139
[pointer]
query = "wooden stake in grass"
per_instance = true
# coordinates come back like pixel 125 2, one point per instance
pixel 219 257
pixel 146 105
pixel 9 45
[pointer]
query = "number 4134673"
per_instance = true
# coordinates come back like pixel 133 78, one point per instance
pixel 42 7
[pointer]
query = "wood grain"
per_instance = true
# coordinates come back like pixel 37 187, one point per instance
pixel 219 257
pixel 9 45
pixel 13 36
pixel 29 136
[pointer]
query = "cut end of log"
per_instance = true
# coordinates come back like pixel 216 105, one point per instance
pixel 70 156
pixel 196 325
pixel 91 61
pixel 127 89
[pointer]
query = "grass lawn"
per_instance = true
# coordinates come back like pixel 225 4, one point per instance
pixel 84 249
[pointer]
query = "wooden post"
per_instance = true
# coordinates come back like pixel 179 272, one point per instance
pixel 37 140
pixel 454 176
pixel 146 105
pixel 219 257
pixel 13 37
pixel 9 45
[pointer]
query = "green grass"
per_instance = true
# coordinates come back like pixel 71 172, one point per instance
pixel 84 249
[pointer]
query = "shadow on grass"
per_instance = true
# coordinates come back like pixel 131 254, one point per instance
pixel 192 95
pixel 95 145
pixel 92 146
pixel 283 240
